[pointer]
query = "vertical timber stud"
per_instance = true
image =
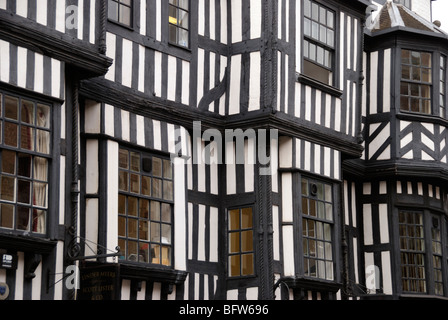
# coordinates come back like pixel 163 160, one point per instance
pixel 72 247
pixel 103 21
pixel 265 230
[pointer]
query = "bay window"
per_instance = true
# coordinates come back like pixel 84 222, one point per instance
pixel 317 229
pixel 145 208
pixel 25 130
pixel 421 254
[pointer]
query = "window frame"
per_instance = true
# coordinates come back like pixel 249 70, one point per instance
pixel 442 85
pixel 428 217
pixel 420 83
pixel 140 197
pixel 52 188
pixel 332 50
pixel 333 228
pixel 239 253
pixel 177 26
pixel 131 14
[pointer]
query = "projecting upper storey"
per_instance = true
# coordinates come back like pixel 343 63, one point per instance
pixel 70 31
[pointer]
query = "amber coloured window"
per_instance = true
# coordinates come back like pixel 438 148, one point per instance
pixel 145 208
pixel 241 246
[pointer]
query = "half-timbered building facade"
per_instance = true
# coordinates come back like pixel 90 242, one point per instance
pixel 222 149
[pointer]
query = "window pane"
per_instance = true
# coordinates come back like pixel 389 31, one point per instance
pixel 426 59
pixel 155 211
pixel 183 4
pixel 166 256
pixel 155 232
pixel 307 8
pixel 157 167
pixel 322 16
pixel 315 30
pixel 125 15
pixel 330 38
pixel 43 141
pixel 135 162
pixel 315 11
pixel 8 162
pixel 146 186
pixel 166 212
pixel 144 209
pixel 246 218
pixel 247 241
pixel 330 19
pixel 23 219
pixel 113 10
pixel 183 38
pixel 143 230
pixel 135 183
pixel 183 19
pixel 234 242
pixel 247 264
pixel 167 169
pixel 39 221
pixel 173 18
pixel 172 33
pixel 124 159
pixel 234 266
pixel 416 73
pixel 11 131
pixel 27 138
pixel 157 188
pixel 426 75
pixel 166 234
pixel 132 206
pixel 40 194
pixel 168 190
pixel 27 113
pixel 121 227
pixel 415 58
pixel 406 72
pixel 43 116
pixel 24 192
pixel 123 181
pixel 11 108
pixel 7 190
pixel 307 27
pixel 234 219
pixel 7 216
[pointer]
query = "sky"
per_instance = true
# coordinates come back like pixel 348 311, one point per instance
pixel 440 12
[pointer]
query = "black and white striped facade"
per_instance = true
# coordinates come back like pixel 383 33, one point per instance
pixel 112 86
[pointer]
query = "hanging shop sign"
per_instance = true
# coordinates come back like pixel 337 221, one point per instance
pixel 99 282
pixel 8 261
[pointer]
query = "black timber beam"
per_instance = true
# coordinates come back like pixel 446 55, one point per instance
pixel 39 38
